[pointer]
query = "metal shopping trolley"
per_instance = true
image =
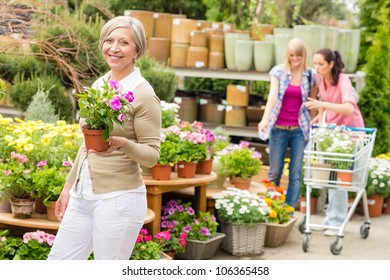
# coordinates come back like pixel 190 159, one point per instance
pixel 337 157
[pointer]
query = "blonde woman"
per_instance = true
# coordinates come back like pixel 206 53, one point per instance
pixel 286 119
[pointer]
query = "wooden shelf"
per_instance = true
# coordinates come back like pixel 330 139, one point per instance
pixel 40 221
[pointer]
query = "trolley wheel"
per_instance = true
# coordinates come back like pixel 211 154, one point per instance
pixel 306 241
pixel 336 247
pixel 302 225
pixel 364 231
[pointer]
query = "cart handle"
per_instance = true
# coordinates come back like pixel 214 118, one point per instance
pixel 331 126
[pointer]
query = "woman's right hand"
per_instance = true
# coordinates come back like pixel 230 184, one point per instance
pixel 262 127
pixel 62 203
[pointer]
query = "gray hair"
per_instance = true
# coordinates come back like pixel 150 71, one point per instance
pixel 127 22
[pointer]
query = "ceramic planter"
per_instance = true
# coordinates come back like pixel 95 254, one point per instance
pixel 202 250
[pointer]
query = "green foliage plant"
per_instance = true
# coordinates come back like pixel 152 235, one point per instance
pixel 169 146
pixel 375 97
pixel 49 181
pixel 24 89
pixel 238 160
pixel 36 246
pixel 41 108
pixel 9 245
pixel 102 107
pixel 145 247
pixel 162 78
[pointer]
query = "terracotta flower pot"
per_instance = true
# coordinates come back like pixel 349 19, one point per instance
pixel 94 140
pixel 241 183
pixel 161 172
pixel 186 169
pixel 204 166
pixel 51 216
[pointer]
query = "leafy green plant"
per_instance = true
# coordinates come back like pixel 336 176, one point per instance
pixel 169 146
pixel 2 89
pixel 41 108
pixel 9 245
pixel 238 160
pixel 202 228
pixel 49 181
pixel 374 100
pixel 36 246
pixel 145 247
pixel 102 107
pixel 24 89
pixel 161 77
pixel 169 114
pixel 15 177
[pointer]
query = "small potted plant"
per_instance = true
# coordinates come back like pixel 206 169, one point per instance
pixel 146 248
pixel 243 217
pixel 378 185
pixel 17 185
pixel 48 184
pixel 169 114
pixel 102 108
pixel 240 163
pixel 203 240
pixel 170 143
pixel 280 221
pixel 193 148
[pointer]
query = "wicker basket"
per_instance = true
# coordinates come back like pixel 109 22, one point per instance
pixel 277 234
pixel 242 240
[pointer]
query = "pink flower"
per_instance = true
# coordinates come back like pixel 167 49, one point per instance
pixel 129 96
pixel 121 117
pixel 113 84
pixel 42 163
pixel 66 163
pixel 8 172
pixel 115 104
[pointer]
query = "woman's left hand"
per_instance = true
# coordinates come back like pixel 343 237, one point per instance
pixel 116 142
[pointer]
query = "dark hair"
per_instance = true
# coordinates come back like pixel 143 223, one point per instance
pixel 334 56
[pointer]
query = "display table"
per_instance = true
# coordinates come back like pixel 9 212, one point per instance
pixel 155 189
pixel 40 221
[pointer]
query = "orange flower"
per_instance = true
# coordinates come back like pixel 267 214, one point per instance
pixel 269 201
pixel 280 190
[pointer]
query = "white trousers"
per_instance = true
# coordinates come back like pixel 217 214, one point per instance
pixel 107 227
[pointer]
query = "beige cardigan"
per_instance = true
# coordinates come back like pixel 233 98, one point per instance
pixel 120 169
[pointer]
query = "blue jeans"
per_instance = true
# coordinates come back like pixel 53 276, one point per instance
pixel 279 141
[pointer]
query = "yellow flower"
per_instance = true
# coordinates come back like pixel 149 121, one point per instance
pixel 272 214
pixel 28 147
pixel 8 138
pixel 283 197
pixel 269 201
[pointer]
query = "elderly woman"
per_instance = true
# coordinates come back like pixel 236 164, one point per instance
pixel 103 203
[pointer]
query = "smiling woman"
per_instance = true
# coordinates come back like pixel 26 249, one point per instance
pixel 108 186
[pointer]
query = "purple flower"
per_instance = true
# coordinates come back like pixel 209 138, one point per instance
pixel 66 163
pixel 121 117
pixel 187 228
pixel 42 163
pixel 164 224
pixel 129 96
pixel 205 231
pixel 190 211
pixel 115 103
pixel 113 84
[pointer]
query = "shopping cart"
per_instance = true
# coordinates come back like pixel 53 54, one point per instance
pixel 327 170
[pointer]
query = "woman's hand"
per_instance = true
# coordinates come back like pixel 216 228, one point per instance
pixel 313 103
pixel 116 142
pixel 262 127
pixel 62 202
